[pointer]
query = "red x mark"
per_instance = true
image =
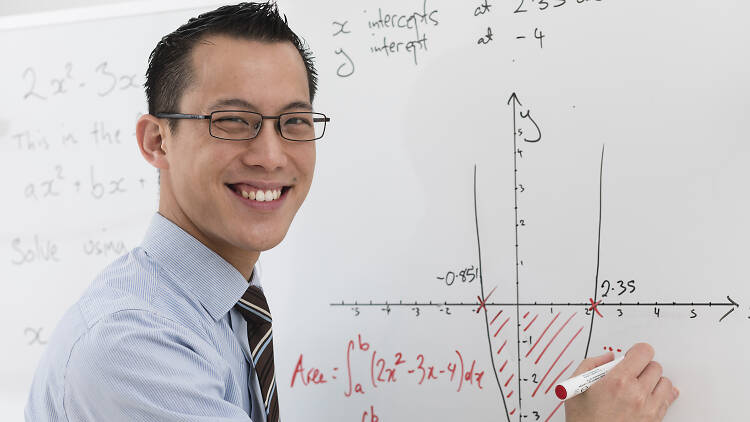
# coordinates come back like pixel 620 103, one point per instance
pixel 482 303
pixel 594 307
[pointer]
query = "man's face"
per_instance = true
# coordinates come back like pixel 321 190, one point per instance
pixel 206 176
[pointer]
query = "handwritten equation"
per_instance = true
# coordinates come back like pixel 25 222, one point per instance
pixel 408 31
pixel 365 369
pixel 57 182
pixel 100 80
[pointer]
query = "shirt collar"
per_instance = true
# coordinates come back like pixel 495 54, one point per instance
pixel 215 282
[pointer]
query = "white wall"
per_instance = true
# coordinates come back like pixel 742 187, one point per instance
pixel 392 206
pixel 12 7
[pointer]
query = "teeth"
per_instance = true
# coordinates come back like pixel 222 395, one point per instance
pixel 262 196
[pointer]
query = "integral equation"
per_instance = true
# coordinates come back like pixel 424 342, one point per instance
pixel 366 369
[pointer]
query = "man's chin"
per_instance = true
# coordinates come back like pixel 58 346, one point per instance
pixel 263 242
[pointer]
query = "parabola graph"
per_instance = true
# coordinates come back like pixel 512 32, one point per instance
pixel 541 332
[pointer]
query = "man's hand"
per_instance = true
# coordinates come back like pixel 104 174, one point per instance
pixel 632 391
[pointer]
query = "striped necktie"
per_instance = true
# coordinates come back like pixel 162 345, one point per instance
pixel 254 309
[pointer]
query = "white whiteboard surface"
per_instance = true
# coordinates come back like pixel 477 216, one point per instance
pixel 639 176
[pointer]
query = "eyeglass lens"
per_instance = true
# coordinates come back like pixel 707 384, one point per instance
pixel 240 125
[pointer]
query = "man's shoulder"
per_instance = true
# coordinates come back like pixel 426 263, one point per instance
pixel 123 350
pixel 135 284
pixel 128 291
pixel 125 284
pixel 135 317
pixel 129 296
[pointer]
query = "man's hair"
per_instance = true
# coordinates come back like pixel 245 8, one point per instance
pixel 170 69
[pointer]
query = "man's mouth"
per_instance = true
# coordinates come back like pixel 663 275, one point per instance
pixel 259 194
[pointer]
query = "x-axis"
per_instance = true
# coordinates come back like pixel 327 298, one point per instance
pixel 553 304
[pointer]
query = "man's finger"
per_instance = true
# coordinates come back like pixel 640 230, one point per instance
pixel 650 376
pixel 636 360
pixel 665 390
pixel 593 362
pixel 663 396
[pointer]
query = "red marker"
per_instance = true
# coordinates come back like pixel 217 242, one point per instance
pixel 578 384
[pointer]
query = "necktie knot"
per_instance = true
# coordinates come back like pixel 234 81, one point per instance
pixel 254 307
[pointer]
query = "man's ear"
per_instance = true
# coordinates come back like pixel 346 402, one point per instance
pixel 151 133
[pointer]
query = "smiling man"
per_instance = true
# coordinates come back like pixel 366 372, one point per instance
pixel 179 329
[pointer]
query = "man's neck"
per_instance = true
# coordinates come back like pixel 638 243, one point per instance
pixel 244 261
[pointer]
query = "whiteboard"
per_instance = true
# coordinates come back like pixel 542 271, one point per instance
pixel 489 174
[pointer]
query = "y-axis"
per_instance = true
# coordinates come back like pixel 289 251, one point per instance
pixel 514 99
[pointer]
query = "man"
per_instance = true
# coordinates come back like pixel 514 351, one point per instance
pixel 159 336
pixel 178 329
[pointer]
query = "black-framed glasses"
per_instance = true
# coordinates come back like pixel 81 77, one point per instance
pixel 241 125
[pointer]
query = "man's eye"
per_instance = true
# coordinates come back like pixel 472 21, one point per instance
pixel 298 121
pixel 230 120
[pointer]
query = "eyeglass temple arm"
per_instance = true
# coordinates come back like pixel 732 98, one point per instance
pixel 183 116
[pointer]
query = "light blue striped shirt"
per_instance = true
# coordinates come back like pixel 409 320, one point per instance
pixel 154 338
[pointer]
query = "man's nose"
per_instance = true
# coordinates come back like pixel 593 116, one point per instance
pixel 267 149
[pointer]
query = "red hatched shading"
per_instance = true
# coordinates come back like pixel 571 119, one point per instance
pixel 503 367
pixel 532 322
pixel 512 411
pixel 554 381
pixel 509 378
pixel 543 333
pixel 501 347
pixel 494 319
pixel 554 337
pixel 555 362
pixel 501 327
pixel 509 394
pixel 553 412
pixel 525 315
